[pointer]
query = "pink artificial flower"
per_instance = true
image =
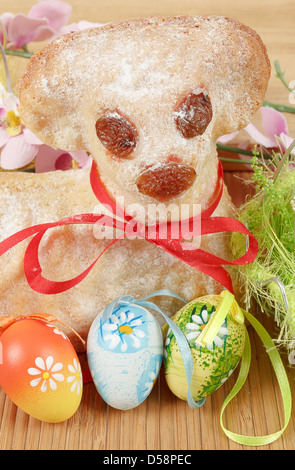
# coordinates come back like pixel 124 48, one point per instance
pixel 18 145
pixel 227 138
pixel 274 125
pixel 49 159
pixel 44 20
pixel 275 129
pixel 73 27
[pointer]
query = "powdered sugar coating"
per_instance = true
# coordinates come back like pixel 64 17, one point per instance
pixel 142 67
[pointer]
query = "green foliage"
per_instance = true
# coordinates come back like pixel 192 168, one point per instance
pixel 270 217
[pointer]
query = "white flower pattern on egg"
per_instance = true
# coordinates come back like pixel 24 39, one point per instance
pixel 167 342
pixel 123 331
pixel 57 331
pixel 198 324
pixel 152 377
pixel 76 378
pixel 224 379
pixel 47 372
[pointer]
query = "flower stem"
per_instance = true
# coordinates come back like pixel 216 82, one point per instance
pixel 6 68
pixel 280 107
pixel 233 160
pixel 4 35
pixel 29 170
pixel 285 156
pixel 228 148
pixel 280 75
pixel 15 52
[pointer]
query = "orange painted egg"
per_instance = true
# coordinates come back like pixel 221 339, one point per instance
pixel 40 370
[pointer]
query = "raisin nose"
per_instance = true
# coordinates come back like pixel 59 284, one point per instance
pixel 166 181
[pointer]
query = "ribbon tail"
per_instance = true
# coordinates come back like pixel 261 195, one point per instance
pixel 218 192
pixel 282 378
pixel 192 258
pixel 25 233
pixel 212 225
pixel 101 194
pixel 5 322
pixel 32 266
pixel 219 274
pixel 33 270
pixel 18 237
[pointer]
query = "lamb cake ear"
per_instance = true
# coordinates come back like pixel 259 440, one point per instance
pixel 67 83
pixel 49 97
pixel 242 73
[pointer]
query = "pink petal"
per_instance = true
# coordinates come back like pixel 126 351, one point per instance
pixel 71 28
pixel 57 13
pixel 64 162
pixel 17 153
pixel 10 102
pixel 273 122
pixel 227 138
pixel 258 137
pixel 82 158
pixel 22 29
pixel 244 145
pixel 30 138
pixel 3 136
pixel 43 33
pixel 5 19
pixel 46 159
pixel 287 141
pixel 88 24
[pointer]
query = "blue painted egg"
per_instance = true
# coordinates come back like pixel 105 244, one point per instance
pixel 125 351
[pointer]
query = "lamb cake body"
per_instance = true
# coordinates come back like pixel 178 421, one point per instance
pixel 148 99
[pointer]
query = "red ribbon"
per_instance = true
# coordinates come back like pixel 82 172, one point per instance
pixel 203 261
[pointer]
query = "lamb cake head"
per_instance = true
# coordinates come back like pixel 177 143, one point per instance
pixel 148 99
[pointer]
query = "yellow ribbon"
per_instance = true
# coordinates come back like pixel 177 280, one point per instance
pixel 208 334
pixel 212 327
pixel 282 378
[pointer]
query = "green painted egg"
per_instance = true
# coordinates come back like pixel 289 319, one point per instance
pixel 213 363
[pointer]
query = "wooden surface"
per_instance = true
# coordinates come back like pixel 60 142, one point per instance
pixel 163 422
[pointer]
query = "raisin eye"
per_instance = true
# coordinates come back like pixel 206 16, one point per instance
pixel 116 133
pixel 193 115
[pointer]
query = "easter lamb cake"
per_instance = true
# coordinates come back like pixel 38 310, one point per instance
pixel 147 98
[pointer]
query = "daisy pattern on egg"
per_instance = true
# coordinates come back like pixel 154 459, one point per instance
pixel 75 379
pixel 224 379
pixel 151 379
pixel 147 380
pixel 57 331
pixel 122 331
pixel 46 373
pixel 167 342
pixel 197 325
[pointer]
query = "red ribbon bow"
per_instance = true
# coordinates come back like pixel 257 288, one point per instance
pixel 203 261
